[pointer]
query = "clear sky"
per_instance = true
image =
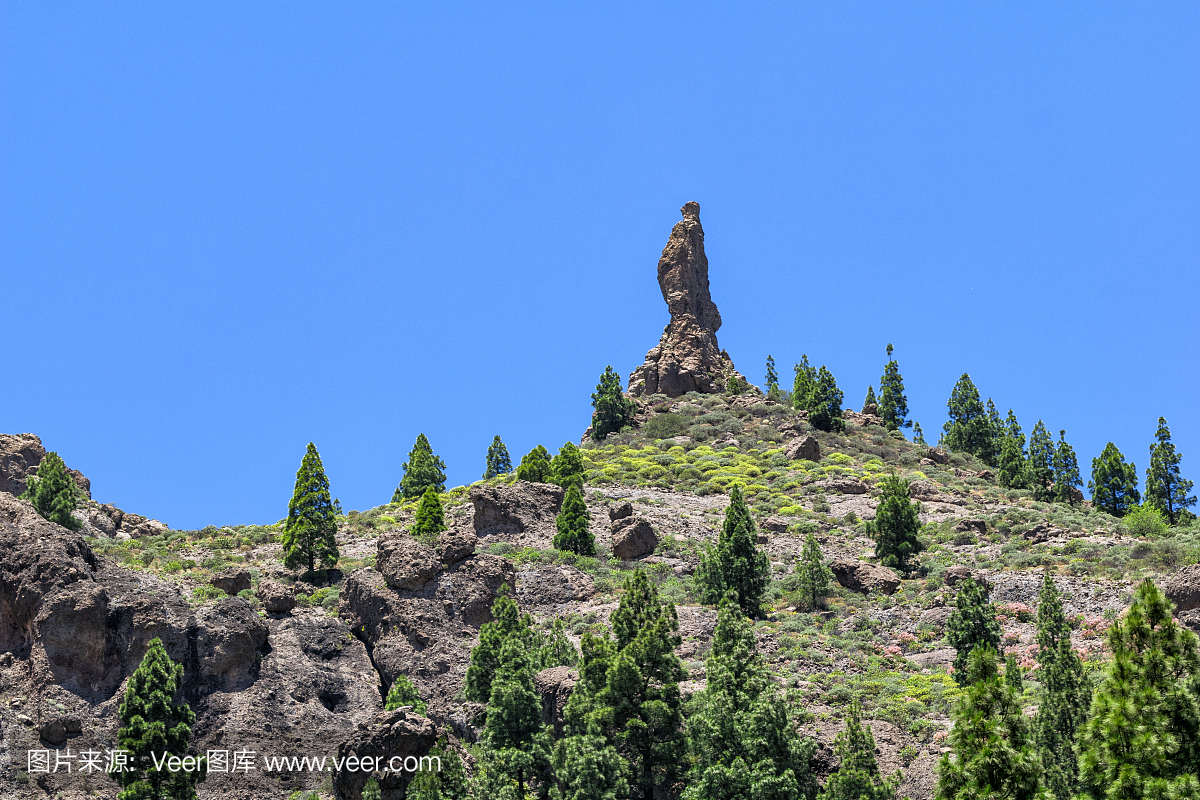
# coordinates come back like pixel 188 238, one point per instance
pixel 229 229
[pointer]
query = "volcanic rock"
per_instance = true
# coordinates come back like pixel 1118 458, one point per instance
pixel 404 562
pixel 864 578
pixel 20 455
pixel 276 597
pixel 1183 588
pixel 555 685
pixel 687 358
pixel 806 449
pixel 633 537
pixel 231 580
pixel 621 511
pixel 391 735
pixel 519 511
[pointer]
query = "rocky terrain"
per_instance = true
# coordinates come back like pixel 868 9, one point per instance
pixel 281 663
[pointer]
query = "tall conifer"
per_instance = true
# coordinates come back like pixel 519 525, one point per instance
pixel 972 625
pixel 1039 467
pixel 613 411
pixel 969 429
pixel 870 400
pixel 535 466
pixel 53 493
pixel 1166 489
pixel 430 519
pixel 896 525
pixel 310 532
pixel 498 462
pixel 857 776
pixel 825 403
pixel 813 576
pixel 772 379
pixel 1114 483
pixel 422 470
pixel 572 524
pixel 893 405
pixel 1065 695
pixel 1012 454
pixel 735 562
pixel 567 467
pixel 1066 471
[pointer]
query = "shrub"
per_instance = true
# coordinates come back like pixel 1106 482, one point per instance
pixel 665 425
pixel 1145 520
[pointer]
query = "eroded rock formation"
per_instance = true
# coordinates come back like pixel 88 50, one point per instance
pixel 687 358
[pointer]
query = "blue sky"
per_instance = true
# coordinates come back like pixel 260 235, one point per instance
pixel 229 229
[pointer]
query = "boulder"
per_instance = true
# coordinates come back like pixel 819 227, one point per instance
pixel 554 686
pixel 977 526
pixel 276 597
pixel 228 639
pixel 988 475
pixel 1191 619
pixel 1183 588
pixel 936 617
pixel 774 524
pixel 455 545
pixel 621 511
pixel 806 449
pixel 231 580
pixel 507 511
pixel 956 574
pixel 552 585
pixel 871 409
pixel 405 563
pixel 841 486
pixel 391 735
pixel 864 578
pixel 633 537
pixel 55 730
pixel 1043 532
pixel 687 357
pixel 938 455
pixel 921 489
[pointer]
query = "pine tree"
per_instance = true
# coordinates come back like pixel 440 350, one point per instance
pixel 825 403
pixel 735 562
pixel 1142 738
pixel 1114 483
pixel 567 466
pixel 997 426
pixel 498 462
pixel 518 744
pixel 972 625
pixel 404 693
pixel 969 429
pixel 1166 489
pixel 1012 674
pixel 993 750
pixel 613 410
pixel 812 574
pixel 741 734
pixel 556 649
pixel 310 532
pixel 586 763
pixel 804 384
pixel 154 721
pixel 857 776
pixel 772 379
pixel 1039 467
pixel 430 519
pixel 572 524
pixel 870 400
pixel 535 466
pixel 1066 471
pixel 422 470
pixel 918 434
pixel 447 783
pixel 1012 454
pixel 1065 696
pixel 893 405
pixel 896 525
pixel 53 493
pixel 485 657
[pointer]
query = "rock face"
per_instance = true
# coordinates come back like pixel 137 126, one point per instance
pixel 1183 588
pixel 552 585
pixel 406 564
pixel 276 597
pixel 633 537
pixel 858 576
pixel 20 455
pixel 392 735
pixel 807 449
pixel 520 513
pixel 231 580
pixel 555 685
pixel 687 358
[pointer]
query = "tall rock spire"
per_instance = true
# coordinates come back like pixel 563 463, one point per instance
pixel 688 358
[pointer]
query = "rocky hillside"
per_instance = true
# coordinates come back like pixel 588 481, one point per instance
pixel 286 664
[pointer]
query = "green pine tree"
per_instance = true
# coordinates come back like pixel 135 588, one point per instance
pixel 804 384
pixel 735 562
pixel 896 525
pixel 567 467
pixel 993 751
pixel 430 519
pixel 825 403
pixel 310 532
pixel 893 405
pixel 517 741
pixel 998 429
pixel 1114 483
pixel 404 693
pixel 498 462
pixel 772 379
pixel 857 776
pixel 485 657
pixel 556 649
pixel 572 524
pixel 53 493
pixel 972 625
pixel 1066 471
pixel 1065 696
pixel 447 783
pixel 1012 674
pixel 812 575
pixel 741 733
pixel 870 400
pixel 613 411
pixel 1039 467
pixel 1166 489
pixel 586 763
pixel 969 429
pixel 422 470
pixel 918 434
pixel 535 466
pixel 1142 737
pixel 1012 455
pixel 154 721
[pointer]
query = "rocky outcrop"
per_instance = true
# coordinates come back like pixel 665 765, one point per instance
pixel 20 455
pixel 547 587
pixel 938 455
pixel 864 578
pixel 392 736
pixel 228 638
pixel 842 485
pixel 805 449
pixel 405 563
pixel 520 513
pixel 1183 588
pixel 277 598
pixel 687 358
pixel 633 537
pixel 554 686
pixel 231 580
pixel 455 545
pixel 620 511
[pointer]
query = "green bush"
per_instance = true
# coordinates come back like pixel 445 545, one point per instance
pixel 1145 521
pixel 664 426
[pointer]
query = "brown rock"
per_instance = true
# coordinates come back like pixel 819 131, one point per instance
pixel 922 490
pixel 231 580
pixel 841 486
pixel 956 574
pixel 938 455
pixel 806 449
pixel 859 576
pixel 1183 588
pixel 20 456
pixel 977 526
pixel 936 617
pixel 405 563
pixel 633 537
pixel 555 686
pixel 392 734
pixel 227 642
pixel 988 475
pixel 774 524
pixel 455 545
pixel 687 358
pixel 871 409
pixel 276 597
pixel 552 585
pixel 621 511
pixel 506 512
